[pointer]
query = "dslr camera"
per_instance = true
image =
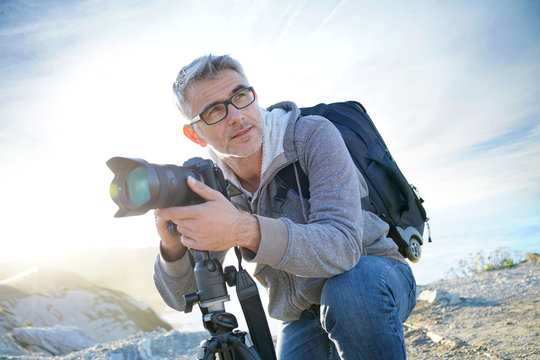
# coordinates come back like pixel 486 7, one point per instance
pixel 139 186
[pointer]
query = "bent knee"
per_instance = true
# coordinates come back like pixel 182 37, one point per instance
pixel 366 282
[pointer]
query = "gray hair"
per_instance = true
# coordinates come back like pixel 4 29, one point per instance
pixel 204 67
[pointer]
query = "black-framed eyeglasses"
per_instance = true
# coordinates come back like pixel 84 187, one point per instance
pixel 218 111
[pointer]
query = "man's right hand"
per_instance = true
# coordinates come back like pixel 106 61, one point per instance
pixel 171 246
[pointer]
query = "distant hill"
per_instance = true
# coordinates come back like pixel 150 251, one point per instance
pixel 55 312
pixel 45 297
pixel 127 270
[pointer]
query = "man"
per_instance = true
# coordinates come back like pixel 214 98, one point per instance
pixel 336 281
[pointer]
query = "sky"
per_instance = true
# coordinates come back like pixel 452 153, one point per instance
pixel 453 87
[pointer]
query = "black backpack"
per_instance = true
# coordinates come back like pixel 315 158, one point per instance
pixel 391 197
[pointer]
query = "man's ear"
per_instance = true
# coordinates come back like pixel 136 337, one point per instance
pixel 192 135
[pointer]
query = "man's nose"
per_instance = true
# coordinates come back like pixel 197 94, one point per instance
pixel 233 114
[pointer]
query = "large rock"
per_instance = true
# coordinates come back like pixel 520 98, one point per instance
pixel 438 296
pixel 103 314
pixel 9 346
pixel 38 307
pixel 533 258
pixel 159 344
pixel 146 346
pixel 56 340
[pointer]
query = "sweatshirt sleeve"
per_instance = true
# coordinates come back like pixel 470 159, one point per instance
pixel 175 279
pixel 331 242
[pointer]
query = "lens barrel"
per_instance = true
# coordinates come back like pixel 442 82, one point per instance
pixel 139 186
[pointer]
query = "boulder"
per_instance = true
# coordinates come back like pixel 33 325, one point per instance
pixel 45 297
pixel 9 346
pixel 533 258
pixel 56 340
pixel 439 297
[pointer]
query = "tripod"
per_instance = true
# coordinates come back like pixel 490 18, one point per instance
pixel 211 295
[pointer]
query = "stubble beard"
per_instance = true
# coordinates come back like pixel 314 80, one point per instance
pixel 231 155
pixel 227 155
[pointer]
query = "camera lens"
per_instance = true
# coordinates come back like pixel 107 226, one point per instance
pixel 139 186
pixel 138 190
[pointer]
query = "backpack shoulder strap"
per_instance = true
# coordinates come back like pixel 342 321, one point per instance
pixel 287 182
pixel 287 177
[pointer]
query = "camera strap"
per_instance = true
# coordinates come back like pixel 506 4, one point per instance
pixel 249 298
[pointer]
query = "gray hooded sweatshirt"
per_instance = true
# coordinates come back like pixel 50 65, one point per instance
pixel 310 240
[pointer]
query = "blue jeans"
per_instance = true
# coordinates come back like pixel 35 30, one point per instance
pixel 359 317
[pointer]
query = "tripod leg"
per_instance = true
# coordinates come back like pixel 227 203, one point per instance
pixel 211 347
pixel 239 351
pixel 204 353
pixel 244 353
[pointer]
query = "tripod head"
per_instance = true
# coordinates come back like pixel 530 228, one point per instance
pixel 210 280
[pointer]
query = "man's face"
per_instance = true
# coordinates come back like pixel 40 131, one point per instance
pixel 240 133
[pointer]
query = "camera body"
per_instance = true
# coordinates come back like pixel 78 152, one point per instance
pixel 139 186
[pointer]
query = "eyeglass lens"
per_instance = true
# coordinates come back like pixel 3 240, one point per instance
pixel 218 112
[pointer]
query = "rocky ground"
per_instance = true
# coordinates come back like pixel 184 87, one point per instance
pixel 493 315
pixel 45 312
